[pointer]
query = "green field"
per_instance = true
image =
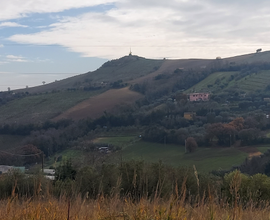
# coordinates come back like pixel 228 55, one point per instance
pixel 205 159
pixel 248 83
pixel 75 155
pixel 210 80
pixel 38 108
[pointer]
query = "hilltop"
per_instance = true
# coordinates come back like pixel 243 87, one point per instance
pixel 148 78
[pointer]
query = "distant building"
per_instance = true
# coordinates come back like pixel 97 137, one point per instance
pixel 6 169
pixel 189 115
pixel 49 173
pixel 195 97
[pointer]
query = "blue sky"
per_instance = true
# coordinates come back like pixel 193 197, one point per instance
pixel 54 39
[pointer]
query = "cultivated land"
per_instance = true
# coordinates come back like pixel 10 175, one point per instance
pixel 249 83
pixel 96 106
pixel 41 107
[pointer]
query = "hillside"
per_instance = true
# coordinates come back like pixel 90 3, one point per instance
pixel 134 95
pixel 41 107
pixel 153 78
pixel 126 68
pixel 220 81
pixel 96 106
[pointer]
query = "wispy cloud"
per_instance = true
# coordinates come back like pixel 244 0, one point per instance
pixel 12 9
pixel 1 45
pixel 11 24
pixel 12 58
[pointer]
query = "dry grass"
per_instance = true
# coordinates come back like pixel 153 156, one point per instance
pixel 125 209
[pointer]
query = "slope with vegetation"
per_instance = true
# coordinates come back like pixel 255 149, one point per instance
pixel 149 96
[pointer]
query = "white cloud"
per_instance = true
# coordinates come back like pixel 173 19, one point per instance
pixel 12 58
pixel 1 45
pixel 176 28
pixel 12 9
pixel 11 24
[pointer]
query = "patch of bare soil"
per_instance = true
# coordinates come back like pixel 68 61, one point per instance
pixel 95 107
pixel 252 151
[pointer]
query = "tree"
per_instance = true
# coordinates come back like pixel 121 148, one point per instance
pixel 249 136
pixel 237 123
pixel 225 133
pixel 65 171
pixel 191 145
pixel 33 154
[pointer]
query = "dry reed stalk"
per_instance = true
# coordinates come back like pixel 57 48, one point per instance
pixel 117 208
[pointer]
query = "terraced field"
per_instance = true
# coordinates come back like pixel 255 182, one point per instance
pixel 219 81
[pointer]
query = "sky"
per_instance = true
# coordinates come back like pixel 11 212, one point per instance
pixel 48 40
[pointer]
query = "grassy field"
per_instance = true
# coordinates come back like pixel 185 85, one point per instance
pixel 38 108
pixel 75 155
pixel 249 83
pixel 205 159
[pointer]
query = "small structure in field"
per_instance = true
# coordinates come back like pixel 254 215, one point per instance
pixel 195 97
pixel 259 50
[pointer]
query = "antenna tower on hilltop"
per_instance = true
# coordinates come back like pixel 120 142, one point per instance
pixel 130 53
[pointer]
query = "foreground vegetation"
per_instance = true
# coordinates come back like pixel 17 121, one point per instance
pixel 118 209
pixel 173 194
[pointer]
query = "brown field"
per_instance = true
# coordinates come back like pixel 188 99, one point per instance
pixel 126 209
pixel 95 106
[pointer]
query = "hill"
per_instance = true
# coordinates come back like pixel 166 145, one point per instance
pixel 220 81
pixel 125 69
pixel 96 106
pixel 153 78
pixel 41 107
